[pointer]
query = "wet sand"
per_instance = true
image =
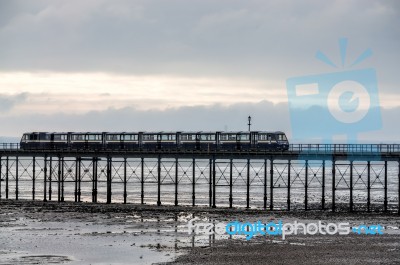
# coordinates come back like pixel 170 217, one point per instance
pixel 302 250
pixel 82 233
pixel 85 233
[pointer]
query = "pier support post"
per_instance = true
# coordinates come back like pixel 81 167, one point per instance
pixel 333 184
pixel 1 175
pixel 265 184
pixel 271 193
pixel 288 185
pixel 369 186
pixel 50 176
pixel 213 182
pixel 142 182
pixel 248 185
pixel 125 193
pixel 230 183
pixel 16 177
pixel 306 187
pixel 176 180
pixel 194 183
pixel 33 177
pixel 109 161
pixel 159 181
pixel 59 179
pixel 76 179
pixel 79 178
pixel 94 184
pixel 62 179
pixel 385 202
pixel 351 186
pixel 45 179
pixel 210 192
pixel 323 186
pixel 7 169
pixel 398 190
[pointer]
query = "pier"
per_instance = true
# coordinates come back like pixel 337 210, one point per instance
pixel 308 176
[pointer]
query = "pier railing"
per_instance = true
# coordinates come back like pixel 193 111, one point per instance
pixel 9 146
pixel 345 148
pixel 294 148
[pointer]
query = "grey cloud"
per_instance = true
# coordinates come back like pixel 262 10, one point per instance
pixel 265 116
pixel 216 117
pixel 7 102
pixel 269 39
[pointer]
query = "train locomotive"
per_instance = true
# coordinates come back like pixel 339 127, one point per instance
pixel 152 141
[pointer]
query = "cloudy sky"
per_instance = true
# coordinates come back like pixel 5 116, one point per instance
pixel 184 65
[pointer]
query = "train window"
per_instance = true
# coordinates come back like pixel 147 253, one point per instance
pixel 33 137
pixel 44 136
pixel 113 137
pixel 282 137
pixel 168 137
pixel 149 137
pixel 188 137
pixel 228 137
pixel 78 137
pixel 244 137
pixel 130 137
pixel 207 137
pixel 94 137
pixel 263 137
pixel 60 137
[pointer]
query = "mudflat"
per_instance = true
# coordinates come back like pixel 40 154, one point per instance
pixel 35 232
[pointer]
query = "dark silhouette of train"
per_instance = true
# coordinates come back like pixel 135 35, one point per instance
pixel 148 141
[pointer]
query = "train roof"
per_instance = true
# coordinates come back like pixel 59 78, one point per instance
pixel 161 132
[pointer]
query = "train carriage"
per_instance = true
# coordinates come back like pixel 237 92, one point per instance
pixel 87 141
pixel 168 140
pixel 227 141
pixel 152 141
pixel 189 141
pixel 35 140
pixel 130 141
pixel 44 140
pixel 121 141
pixel 208 141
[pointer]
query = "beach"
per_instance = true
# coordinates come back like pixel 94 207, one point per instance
pixel 35 232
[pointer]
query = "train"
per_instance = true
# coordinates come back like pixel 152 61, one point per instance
pixel 151 141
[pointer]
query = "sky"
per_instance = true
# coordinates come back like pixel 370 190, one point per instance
pixel 192 65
